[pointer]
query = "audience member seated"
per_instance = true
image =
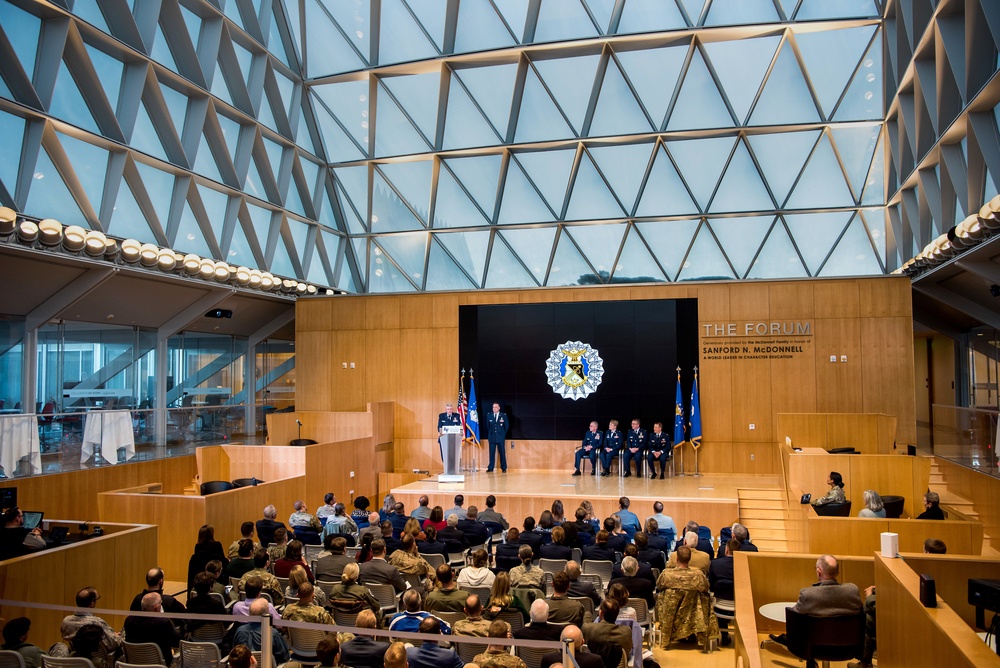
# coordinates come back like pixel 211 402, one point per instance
pixel 15 639
pixel 429 654
pixel 684 605
pixel 374 527
pixel 630 521
pixel 305 609
pixel 581 523
pixel 328 508
pixel 873 505
pixel 458 509
pixel 276 550
pixel 637 587
pixel 704 544
pixel 267 526
pixel 431 544
pixel 653 537
pixel 413 526
pixel 475 531
pixel 409 561
pixel 205 550
pixel 293 557
pixel 87 598
pixel 527 574
pixel 539 628
pixel 243 561
pixel 253 585
pixel 698 560
pixel 573 536
pixel 453 537
pixel 478 574
pixel 378 571
pixel 721 580
pixel 360 514
pixel 436 519
pixel 617 538
pixel 15 540
pixel 88 644
pixel 648 555
pixel 530 536
pixel 580 588
pixel 362 651
pixel 499 655
pixel 269 583
pixel 663 522
pixel 742 534
pixel 397 519
pixel 932 509
pixel 502 599
pixel 836 493
pixel 304 524
pixel 600 550
pixel 215 568
pixel 619 594
pixel 202 602
pixel 446 597
pixel 546 523
pixel 331 567
pixel 241 657
pixel 422 511
pixel 562 608
pixel 249 634
pixel 584 659
pixel 506 553
pixel 408 621
pixel 606 638
pixel 491 515
pixel 645 570
pixel 340 522
pixel 826 598
pixel 557 549
pixel 473 624
pixel 350 596
pixel 298 577
pixel 154 583
pixel 156 630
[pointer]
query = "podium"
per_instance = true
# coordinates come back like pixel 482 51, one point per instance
pixel 451 450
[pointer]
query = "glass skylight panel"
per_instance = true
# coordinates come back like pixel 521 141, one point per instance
pixel 353 222
pixel 390 212
pixel 159 187
pixel 741 66
pixel 538 118
pixel 190 237
pixel 443 273
pixel 144 137
pixel 876 221
pixel 431 15
pixel 480 28
pixel 316 273
pixel 281 262
pixel 561 20
pixel 408 250
pixel 413 181
pixel 624 167
pixel 863 99
pixel 493 88
pixel 254 182
pixel 292 20
pixel 177 106
pixel 69 104
pixel 701 161
pixel 231 8
pixel 831 57
pixel 418 95
pixel 215 204
pixel 354 181
pixel 591 199
pixel 275 43
pixel 109 71
pixel 300 235
pixel 220 87
pixel 815 234
pixel 635 263
pixel 568 266
pixel 699 103
pixel 740 238
pixel 394 135
pixel 383 276
pixel 617 112
pixel 50 197
pixel 327 52
pixel 311 173
pixel 465 126
pixel 127 219
pixel 601 11
pixel 875 184
pixel 649 16
pixel 694 9
pixel 348 101
pixel 480 175
pixel 12 130
pixel 739 12
pixel 856 144
pixel 664 193
pixel 469 249
pixel 521 202
pixel 741 188
pixel 261 222
pixel 505 271
pixel 161 52
pixel 599 243
pixel 231 134
pixel 346 279
pixel 781 157
pixel 654 74
pixel 777 257
pixel 549 171
pixel 293 198
pixel 534 246
pixel 854 254
pixel 836 9
pixel 705 260
pixel 669 242
pixel 571 82
pixel 786 98
pixel 244 58
pixel 400 36
pixel 453 208
pixel 514 13
pixel 90 11
pixel 275 153
pixel 354 17
pixel 90 165
pixel 822 182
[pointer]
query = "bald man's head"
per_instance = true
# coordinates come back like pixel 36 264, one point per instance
pixel 827 567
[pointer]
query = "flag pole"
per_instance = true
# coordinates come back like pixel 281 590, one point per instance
pixel 679 439
pixel 696 423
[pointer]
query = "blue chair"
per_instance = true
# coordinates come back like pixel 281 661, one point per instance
pixel 669 535
pixel 494 527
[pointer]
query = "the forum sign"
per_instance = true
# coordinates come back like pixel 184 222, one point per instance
pixel 753 340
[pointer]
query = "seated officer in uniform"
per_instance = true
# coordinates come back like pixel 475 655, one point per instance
pixel 591 444
pixel 635 448
pixel 658 450
pixel 612 446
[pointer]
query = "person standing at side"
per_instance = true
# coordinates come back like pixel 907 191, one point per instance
pixel 635 449
pixel 447 419
pixel 659 450
pixel 591 445
pixel 497 426
pixel 612 446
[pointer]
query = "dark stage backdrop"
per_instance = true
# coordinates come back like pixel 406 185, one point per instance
pixel 641 343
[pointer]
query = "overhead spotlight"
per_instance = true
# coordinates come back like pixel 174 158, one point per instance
pixel 243 276
pixel 221 272
pixel 256 278
pixel 166 260
pixel 207 269
pixel 50 232
pixel 301 289
pixel 266 281
pixel 131 249
pixel 149 255
pixel 8 221
pixel 74 238
pixel 192 264
pixel 27 232
pixel 995 290
pixel 110 250
pixel 311 289
pixel 95 243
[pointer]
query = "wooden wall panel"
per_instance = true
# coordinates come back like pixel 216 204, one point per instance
pixel 983 490
pixel 320 426
pixel 861 536
pixel 380 332
pixel 951 573
pixel 888 367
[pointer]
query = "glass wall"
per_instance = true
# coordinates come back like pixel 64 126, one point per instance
pixel 11 342
pixel 983 368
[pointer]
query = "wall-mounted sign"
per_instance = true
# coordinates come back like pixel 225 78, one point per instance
pixel 756 340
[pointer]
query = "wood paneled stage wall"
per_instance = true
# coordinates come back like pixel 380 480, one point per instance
pixel 353 350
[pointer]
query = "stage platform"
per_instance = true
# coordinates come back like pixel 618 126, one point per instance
pixel 711 499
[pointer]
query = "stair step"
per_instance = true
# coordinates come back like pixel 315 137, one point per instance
pixel 775 494
pixel 762 504
pixel 767 534
pixel 765 523
pixel 751 514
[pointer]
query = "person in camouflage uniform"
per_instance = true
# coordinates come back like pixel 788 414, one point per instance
pixel 271 586
pixel 409 562
pixel 684 604
pixel 499 655
pixel 276 550
pixel 473 624
pixel 305 610
pixel 246 531
pixel 527 575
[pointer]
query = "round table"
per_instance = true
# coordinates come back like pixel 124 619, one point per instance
pixel 775 611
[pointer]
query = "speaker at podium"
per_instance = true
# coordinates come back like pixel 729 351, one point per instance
pixel 451 450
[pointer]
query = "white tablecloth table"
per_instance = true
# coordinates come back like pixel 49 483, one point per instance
pixel 106 431
pixel 18 439
pixel 776 611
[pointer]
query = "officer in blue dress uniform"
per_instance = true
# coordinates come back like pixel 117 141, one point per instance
pixel 658 449
pixel 635 448
pixel 613 441
pixel 447 419
pixel 591 444
pixel 497 425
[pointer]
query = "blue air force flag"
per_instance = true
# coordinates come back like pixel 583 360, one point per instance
pixel 678 413
pixel 694 420
pixel 472 425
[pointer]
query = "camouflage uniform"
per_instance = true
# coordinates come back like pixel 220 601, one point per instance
pixel 684 606
pixel 411 564
pixel 499 657
pixel 298 520
pixel 234 549
pixel 522 577
pixel 473 627
pixel 275 551
pixel 271 585
pixel 307 613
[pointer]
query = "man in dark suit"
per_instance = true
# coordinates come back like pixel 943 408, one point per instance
pixel 452 536
pixel 156 630
pixel 529 537
pixel 637 587
pixel 330 568
pixel 704 544
pixel 391 542
pixel 265 527
pixel 475 531
pixel 398 519
pixel 430 654
pixel 607 639
pixel 506 553
pixel 826 598
pixel 581 523
pixel 648 555
pixel 617 540
pixel 378 571
pixel 539 628
pixel 562 608
pixel 497 426
pixel 645 571
pixel 654 539
pixel 599 551
pixel 362 651
pixel 722 579
pixel 583 658
pixel 579 588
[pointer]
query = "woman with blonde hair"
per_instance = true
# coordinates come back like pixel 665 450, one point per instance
pixel 348 594
pixel 503 599
pixel 296 577
pixel 412 527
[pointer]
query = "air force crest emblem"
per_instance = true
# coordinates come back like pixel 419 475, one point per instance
pixel 574 370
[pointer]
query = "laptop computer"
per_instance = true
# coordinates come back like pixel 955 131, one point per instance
pixel 33 519
pixel 57 536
